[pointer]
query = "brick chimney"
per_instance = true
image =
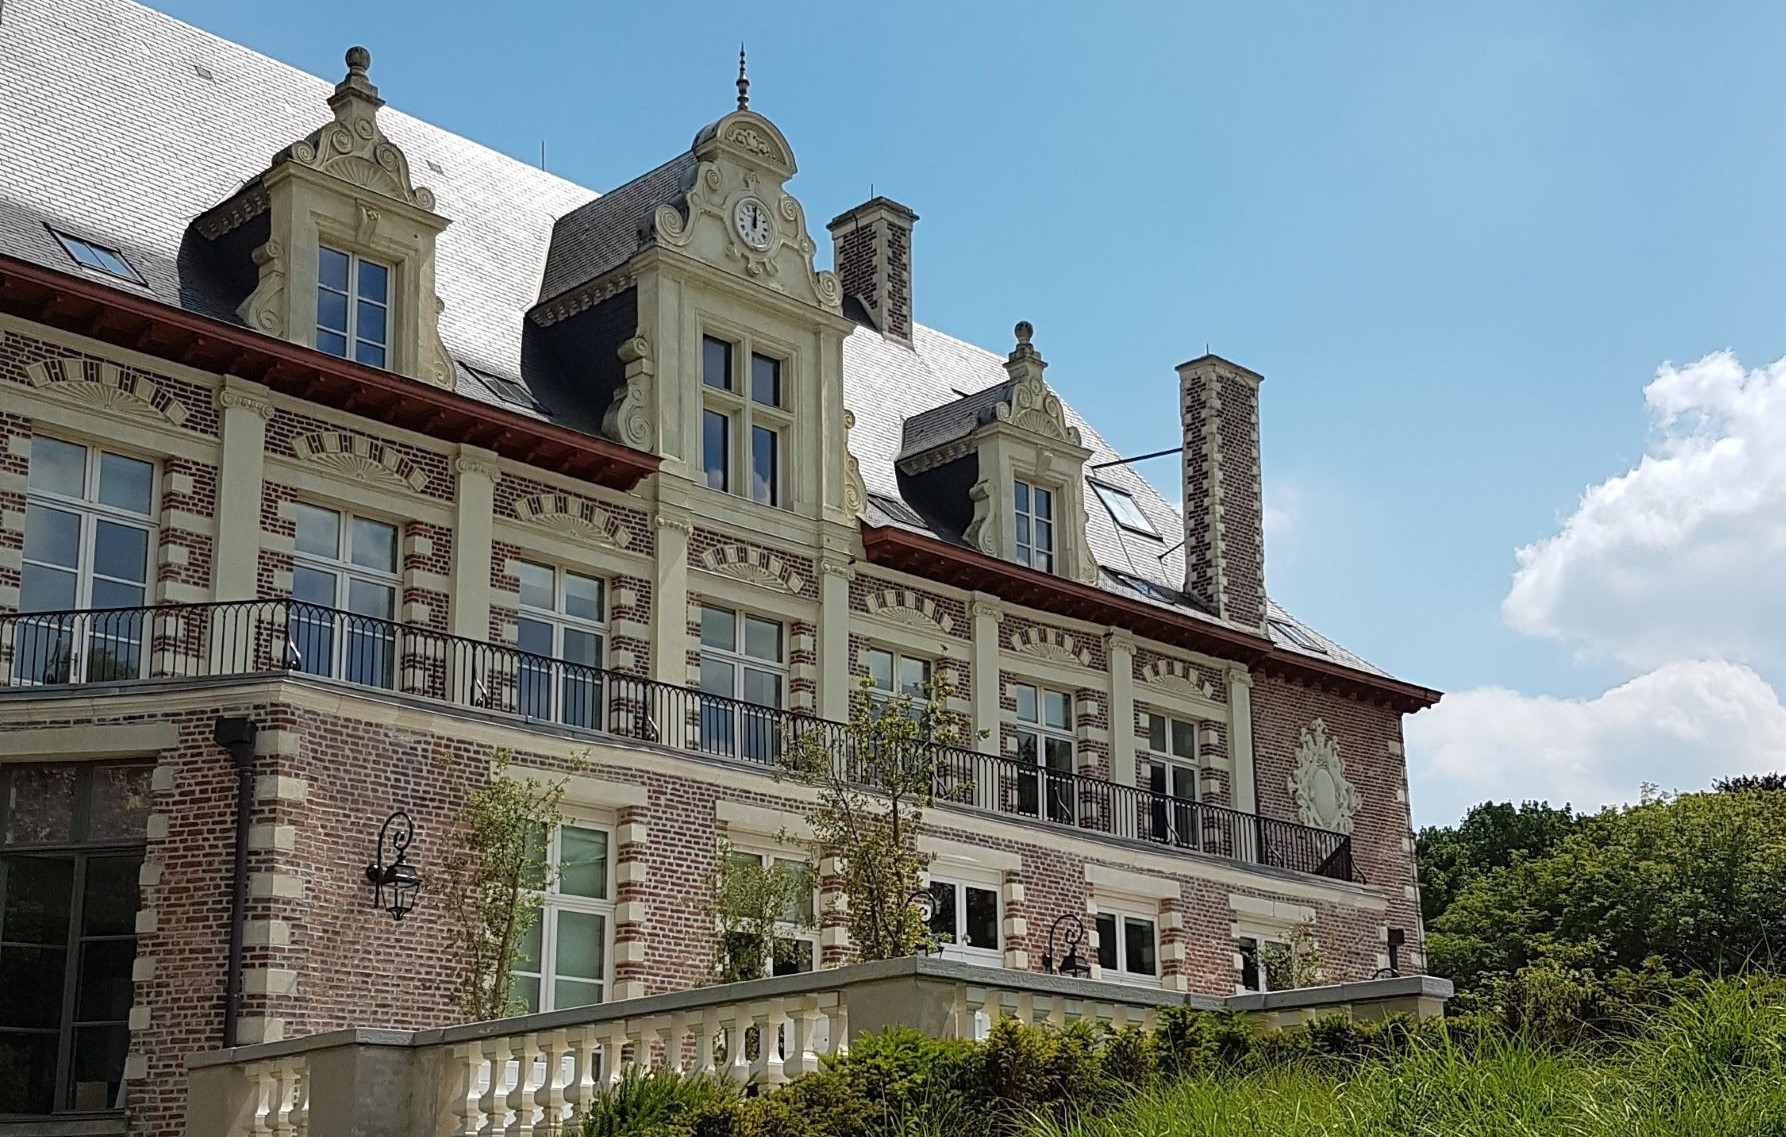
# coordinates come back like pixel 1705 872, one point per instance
pixel 872 246
pixel 1224 512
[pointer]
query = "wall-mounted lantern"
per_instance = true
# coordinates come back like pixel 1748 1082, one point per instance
pixel 924 904
pixel 395 882
pixel 1073 965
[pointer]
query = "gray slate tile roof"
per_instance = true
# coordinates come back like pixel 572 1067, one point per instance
pixel 120 125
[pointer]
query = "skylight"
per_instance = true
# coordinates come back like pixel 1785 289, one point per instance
pixel 507 390
pixel 1297 636
pixel 1124 510
pixel 100 258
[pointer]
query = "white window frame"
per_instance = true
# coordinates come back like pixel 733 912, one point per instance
pixel 351 334
pixel 1050 782
pixel 89 512
pixel 1031 552
pixel 751 735
pixel 345 571
pixel 896 664
pixel 1181 813
pixel 963 879
pixel 1110 495
pixel 745 414
pixel 560 672
pixel 554 902
pixel 766 856
pixel 1261 937
pixel 1123 912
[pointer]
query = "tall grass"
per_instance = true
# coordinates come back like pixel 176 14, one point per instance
pixel 1712 1066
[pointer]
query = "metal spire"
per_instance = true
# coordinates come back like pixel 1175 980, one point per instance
pixel 743 81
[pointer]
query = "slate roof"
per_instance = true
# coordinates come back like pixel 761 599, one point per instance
pixel 956 419
pixel 120 125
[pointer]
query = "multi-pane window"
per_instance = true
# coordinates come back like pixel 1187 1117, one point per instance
pixel 353 306
pixel 564 959
pixel 1035 526
pixel 743 421
pixel 71 845
pixel 1045 751
pixel 796 935
pixel 559 626
pixel 744 665
pixel 344 583
pixel 892 675
pixel 101 258
pixel 88 539
pixel 965 920
pixel 1265 962
pixel 1128 947
pixel 1171 769
pixel 1123 509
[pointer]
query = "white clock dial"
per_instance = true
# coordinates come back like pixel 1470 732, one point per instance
pixel 752 217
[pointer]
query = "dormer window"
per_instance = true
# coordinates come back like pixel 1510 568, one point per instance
pixel 353 305
pixel 1035 526
pixel 742 420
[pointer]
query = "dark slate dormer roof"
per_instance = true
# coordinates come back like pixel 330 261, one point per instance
pixel 597 238
pixel 121 125
pixel 929 429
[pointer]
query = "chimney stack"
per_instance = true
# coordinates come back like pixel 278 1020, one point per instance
pixel 1224 511
pixel 872 247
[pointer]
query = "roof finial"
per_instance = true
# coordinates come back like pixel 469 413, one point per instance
pixel 358 60
pixel 743 81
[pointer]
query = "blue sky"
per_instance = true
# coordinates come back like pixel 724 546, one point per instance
pixel 1459 241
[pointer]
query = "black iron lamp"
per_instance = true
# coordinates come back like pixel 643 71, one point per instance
pixel 924 904
pixel 395 882
pixel 1074 965
pixel 1396 939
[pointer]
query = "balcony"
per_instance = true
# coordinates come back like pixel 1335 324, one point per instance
pixel 283 636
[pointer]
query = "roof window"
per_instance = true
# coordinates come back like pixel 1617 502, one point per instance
pixel 1124 510
pixel 100 258
pixel 508 390
pixel 1297 636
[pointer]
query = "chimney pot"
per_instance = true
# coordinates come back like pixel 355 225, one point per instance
pixel 1224 512
pixel 872 252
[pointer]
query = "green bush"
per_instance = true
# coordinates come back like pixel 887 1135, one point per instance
pixel 661 1103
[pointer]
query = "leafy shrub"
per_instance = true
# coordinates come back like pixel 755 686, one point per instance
pixel 660 1103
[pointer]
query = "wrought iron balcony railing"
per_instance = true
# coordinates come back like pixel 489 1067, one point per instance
pixel 114 645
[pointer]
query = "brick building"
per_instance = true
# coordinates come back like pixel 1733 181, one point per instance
pixel 408 454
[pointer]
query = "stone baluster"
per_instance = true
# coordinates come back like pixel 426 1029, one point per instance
pixel 299 1116
pixel 585 1052
pixel 495 1055
pixel 738 1045
pixel 261 1088
pixel 548 1099
pixel 839 1023
pixel 800 1059
pixel 773 1028
pixel 613 1052
pixel 284 1075
pixel 525 1050
pixel 465 1064
pixel 704 1064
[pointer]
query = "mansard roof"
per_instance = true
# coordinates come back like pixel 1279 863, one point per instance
pixel 122 125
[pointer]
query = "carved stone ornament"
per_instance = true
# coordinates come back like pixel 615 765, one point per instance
pixel 361 459
pixel 980 533
pixel 855 494
pixel 754 566
pixel 573 518
pixel 911 609
pixel 1032 406
pixel 629 419
pixel 1175 677
pixel 353 148
pixel 1050 644
pixel 1324 798
pixel 105 387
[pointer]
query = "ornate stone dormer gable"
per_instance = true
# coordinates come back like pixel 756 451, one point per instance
pixel 345 188
pixel 982 458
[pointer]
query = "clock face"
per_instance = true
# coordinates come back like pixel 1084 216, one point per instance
pixel 752 217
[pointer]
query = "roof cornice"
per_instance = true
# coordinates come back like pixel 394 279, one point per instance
pixel 947 563
pixel 138 323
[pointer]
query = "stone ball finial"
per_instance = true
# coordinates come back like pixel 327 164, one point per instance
pixel 1024 331
pixel 358 60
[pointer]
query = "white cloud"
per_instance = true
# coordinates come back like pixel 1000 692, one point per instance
pixel 1283 508
pixel 1684 555
pixel 1680 726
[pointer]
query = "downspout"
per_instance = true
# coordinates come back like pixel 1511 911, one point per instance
pixel 236 735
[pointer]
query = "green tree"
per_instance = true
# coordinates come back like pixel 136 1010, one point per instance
pixel 875 776
pixel 1750 783
pixel 754 902
pixel 1696 881
pixel 1490 836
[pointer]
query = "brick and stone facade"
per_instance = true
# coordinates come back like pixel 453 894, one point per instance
pixel 238 439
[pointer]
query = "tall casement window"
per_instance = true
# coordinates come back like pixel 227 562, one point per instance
pixel 1045 751
pixel 559 626
pixel 1035 526
pixel 892 674
pixel 89 535
pixel 964 919
pixel 564 960
pixel 744 422
pixel 798 949
pixel 71 845
pixel 344 582
pixel 353 307
pixel 744 668
pixel 1128 946
pixel 1170 766
pixel 1266 962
